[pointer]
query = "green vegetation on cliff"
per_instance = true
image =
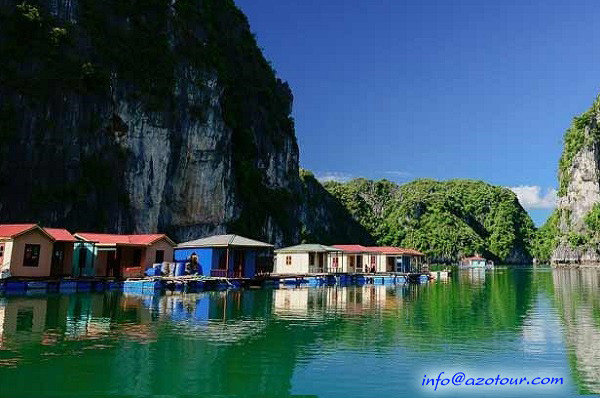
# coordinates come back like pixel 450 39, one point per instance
pixel 70 70
pixel 546 238
pixel 446 220
pixel 575 139
pixel 574 226
pixel 324 219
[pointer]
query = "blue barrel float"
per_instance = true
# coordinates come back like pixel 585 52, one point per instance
pixel 67 286
pixel 37 285
pixel 235 284
pixel 99 286
pixel 114 285
pixel 15 286
pixel 84 286
pixel 270 283
pixel 289 281
pixel 180 269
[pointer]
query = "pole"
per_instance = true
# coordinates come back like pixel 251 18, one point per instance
pixel 227 262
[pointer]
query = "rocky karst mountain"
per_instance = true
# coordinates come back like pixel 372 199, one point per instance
pixel 163 115
pixel 143 116
pixel 445 219
pixel 571 236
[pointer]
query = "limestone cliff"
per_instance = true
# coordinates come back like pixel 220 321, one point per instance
pixel 576 232
pixel 142 116
pixel 325 219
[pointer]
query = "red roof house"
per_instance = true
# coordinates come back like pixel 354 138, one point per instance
pixel 28 250
pixel 119 255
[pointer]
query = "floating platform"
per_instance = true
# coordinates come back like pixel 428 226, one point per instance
pixel 155 284
pixel 345 279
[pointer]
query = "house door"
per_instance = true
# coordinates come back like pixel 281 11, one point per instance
pixel 113 263
pixel 82 261
pixel 58 258
pixel 391 264
pixel 406 266
pixel 238 265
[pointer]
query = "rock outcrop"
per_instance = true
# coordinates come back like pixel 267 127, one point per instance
pixel 144 116
pixel 576 232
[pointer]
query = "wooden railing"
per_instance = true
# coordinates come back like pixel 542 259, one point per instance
pixel 221 273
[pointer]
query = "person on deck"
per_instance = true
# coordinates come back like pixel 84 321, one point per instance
pixel 191 267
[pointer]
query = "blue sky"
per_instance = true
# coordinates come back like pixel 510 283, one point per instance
pixel 405 89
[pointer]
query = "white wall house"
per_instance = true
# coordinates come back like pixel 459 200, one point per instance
pixel 306 259
pixel 356 258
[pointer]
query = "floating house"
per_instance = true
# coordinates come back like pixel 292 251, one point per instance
pixel 358 258
pixel 397 259
pixel 230 256
pixel 475 262
pixel 62 251
pixel 306 259
pixel 354 258
pixel 28 250
pixel 119 255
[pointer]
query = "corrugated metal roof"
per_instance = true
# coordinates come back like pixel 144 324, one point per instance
pixel 412 252
pixel 386 249
pixel 395 250
pixel 116 239
pixel 225 241
pixel 353 248
pixel 12 230
pixel 60 234
pixel 308 247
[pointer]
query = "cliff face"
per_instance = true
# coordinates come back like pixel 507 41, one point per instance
pixel 142 116
pixel 325 220
pixel 577 231
pixel 445 219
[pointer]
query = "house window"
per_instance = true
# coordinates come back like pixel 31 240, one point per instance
pixel 311 258
pixel 160 256
pixel 137 257
pixel 288 260
pixel 32 256
pixel 372 260
pixel 2 250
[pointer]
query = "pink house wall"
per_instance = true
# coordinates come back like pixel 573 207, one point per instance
pixel 150 254
pixel 18 252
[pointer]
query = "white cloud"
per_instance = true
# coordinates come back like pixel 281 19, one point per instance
pixel 532 197
pixel 337 176
pixel 398 173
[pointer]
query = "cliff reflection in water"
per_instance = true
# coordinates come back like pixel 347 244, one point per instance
pixel 238 342
pixel 577 295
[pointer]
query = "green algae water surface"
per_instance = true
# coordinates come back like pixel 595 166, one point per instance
pixel 357 341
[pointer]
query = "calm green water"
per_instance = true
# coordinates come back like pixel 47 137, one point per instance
pixel 369 341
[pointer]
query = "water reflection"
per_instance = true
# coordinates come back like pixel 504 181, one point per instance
pixel 473 276
pixel 260 341
pixel 577 295
pixel 302 302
